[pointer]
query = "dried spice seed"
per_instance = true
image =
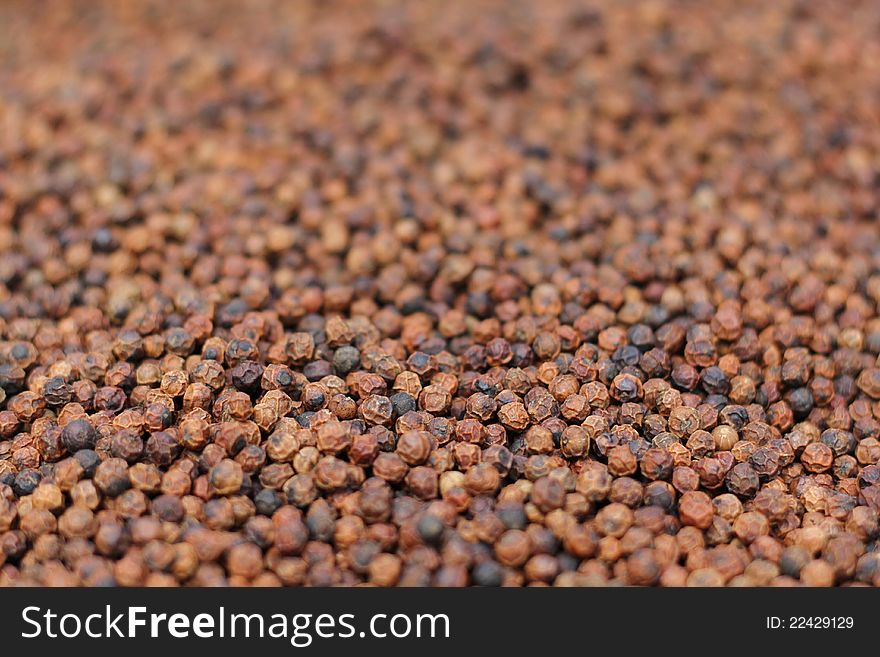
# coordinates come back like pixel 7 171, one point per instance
pixel 695 509
pixel 743 480
pixel 817 457
pixel 78 434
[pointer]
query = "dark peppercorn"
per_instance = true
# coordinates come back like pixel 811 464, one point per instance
pixel 742 480
pixel 512 515
pixel 488 573
pixel 78 434
pixel 111 477
pixel 89 460
pixel 267 501
pixel 246 376
pixel 661 494
pixel 161 448
pixel 346 359
pixel 57 392
pixel 403 403
pixel 430 529
pixel 25 482
pixel 656 464
pixel 126 445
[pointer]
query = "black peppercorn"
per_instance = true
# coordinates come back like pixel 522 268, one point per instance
pixel 89 460
pixel 267 501
pixel 25 482
pixel 78 434
pixel 430 529
pixel 488 573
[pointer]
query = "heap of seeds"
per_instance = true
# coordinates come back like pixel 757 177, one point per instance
pixel 440 294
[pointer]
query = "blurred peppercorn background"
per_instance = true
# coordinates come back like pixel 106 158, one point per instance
pixel 439 294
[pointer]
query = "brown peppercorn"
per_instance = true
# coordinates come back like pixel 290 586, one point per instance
pixel 414 447
pixel 548 494
pixel 750 525
pixel 145 477
pixel 333 437
pixel 332 474
pixel 538 440
pixel 434 399
pixel 390 467
pixel 683 421
pixel 226 477
pixel 161 448
pixel 817 573
pixel 711 472
pixel 482 479
pixel 384 570
pixel 868 451
pixel 513 548
pixel 868 382
pixel 725 437
pixel 423 482
pixel 695 509
pixel 621 461
pixel 513 416
pixel 594 482
pixel 643 568
pixel 742 480
pixel 656 464
pixel 685 479
pixel 628 491
pixel 613 520
pixel 574 442
pixel 47 496
pixel 111 477
pixel 377 409
pixel 244 560
pixel 817 457
pixel 127 445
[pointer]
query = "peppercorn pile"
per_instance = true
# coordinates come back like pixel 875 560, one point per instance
pixel 439 294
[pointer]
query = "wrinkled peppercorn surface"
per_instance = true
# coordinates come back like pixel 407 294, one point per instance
pixel 445 294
